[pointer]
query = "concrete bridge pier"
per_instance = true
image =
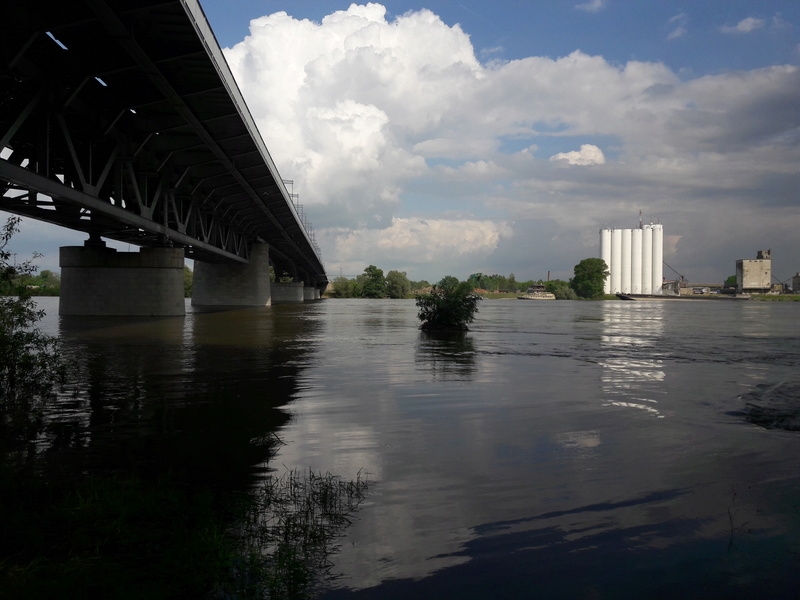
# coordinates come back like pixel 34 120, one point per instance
pixel 100 281
pixel 225 284
pixel 291 291
pixel 310 293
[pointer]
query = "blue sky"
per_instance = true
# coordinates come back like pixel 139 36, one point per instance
pixel 455 137
pixel 619 30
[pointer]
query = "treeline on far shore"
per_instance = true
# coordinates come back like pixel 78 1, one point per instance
pixel 372 283
pixel 46 283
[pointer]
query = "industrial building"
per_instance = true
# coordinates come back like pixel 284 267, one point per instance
pixel 754 276
pixel 634 258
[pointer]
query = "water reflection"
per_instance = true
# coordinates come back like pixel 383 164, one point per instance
pixel 633 375
pixel 579 444
pixel 589 552
pixel 500 463
pixel 447 355
pixel 195 397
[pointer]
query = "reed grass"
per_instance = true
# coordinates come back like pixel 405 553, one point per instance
pixel 289 532
pixel 119 538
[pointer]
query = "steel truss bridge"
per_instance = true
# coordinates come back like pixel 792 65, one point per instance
pixel 121 119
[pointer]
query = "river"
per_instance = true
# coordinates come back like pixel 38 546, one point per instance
pixel 557 450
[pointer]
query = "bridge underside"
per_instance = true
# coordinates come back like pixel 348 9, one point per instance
pixel 120 118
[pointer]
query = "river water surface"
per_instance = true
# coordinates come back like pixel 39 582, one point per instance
pixel 557 450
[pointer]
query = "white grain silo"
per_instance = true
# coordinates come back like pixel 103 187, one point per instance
pixel 605 254
pixel 634 258
pixel 616 261
pixel 636 261
pixel 647 261
pixel 658 257
pixel 625 275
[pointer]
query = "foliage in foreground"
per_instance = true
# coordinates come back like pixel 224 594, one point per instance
pixel 116 537
pixel 30 366
pixel 451 305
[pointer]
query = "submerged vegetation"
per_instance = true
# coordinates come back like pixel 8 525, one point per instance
pixel 124 537
pixel 289 532
pixel 450 306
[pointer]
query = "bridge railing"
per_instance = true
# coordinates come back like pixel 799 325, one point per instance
pixel 202 26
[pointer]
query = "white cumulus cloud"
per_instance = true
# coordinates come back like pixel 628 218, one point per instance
pixel 411 242
pixel 589 154
pixel 406 149
pixel 744 26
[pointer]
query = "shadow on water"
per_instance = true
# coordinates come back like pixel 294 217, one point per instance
pixel 588 555
pixel 196 398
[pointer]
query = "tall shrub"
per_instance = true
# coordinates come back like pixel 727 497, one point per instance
pixel 30 366
pixel 451 305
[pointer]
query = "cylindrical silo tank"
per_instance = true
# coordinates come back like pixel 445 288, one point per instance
pixel 625 273
pixel 616 260
pixel 636 261
pixel 658 258
pixel 647 260
pixel 605 254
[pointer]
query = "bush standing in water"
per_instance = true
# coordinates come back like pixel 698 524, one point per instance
pixel 450 306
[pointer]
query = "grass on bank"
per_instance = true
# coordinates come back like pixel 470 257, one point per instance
pixel 776 297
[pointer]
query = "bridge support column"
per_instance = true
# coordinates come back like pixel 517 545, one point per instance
pixel 310 293
pixel 287 292
pixel 100 281
pixel 216 284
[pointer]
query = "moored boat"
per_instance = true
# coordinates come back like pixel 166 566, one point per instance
pixel 537 296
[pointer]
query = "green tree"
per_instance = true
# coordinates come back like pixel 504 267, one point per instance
pixel 358 286
pixel 374 284
pixel 188 278
pixel 560 289
pixel 418 285
pixel 451 305
pixel 342 287
pixel 590 277
pixel 730 282
pixel 397 284
pixel 448 282
pixel 30 365
pixel 46 283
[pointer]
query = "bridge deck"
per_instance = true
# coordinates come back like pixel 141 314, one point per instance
pixel 124 121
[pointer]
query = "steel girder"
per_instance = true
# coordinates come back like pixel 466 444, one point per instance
pixel 120 118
